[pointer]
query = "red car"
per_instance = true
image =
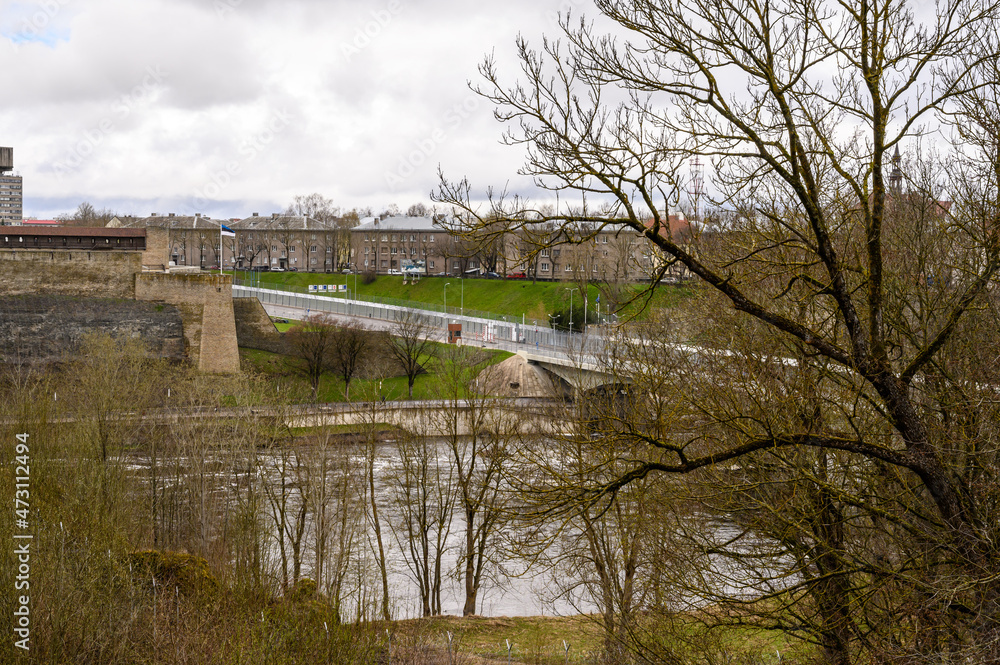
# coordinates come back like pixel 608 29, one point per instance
pixel 517 275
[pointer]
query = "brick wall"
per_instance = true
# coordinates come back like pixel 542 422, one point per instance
pixel 48 328
pixel 71 273
pixel 206 305
pixel 157 254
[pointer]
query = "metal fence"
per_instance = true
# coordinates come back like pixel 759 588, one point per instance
pixel 510 335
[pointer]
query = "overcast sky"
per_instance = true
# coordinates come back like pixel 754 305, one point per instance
pixel 228 107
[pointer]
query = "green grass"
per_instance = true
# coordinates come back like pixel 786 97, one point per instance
pixel 507 297
pixel 539 640
pixel 282 371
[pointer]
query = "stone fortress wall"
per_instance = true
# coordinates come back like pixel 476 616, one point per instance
pixel 45 292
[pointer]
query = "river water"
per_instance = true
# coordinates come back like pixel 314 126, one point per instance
pixel 510 586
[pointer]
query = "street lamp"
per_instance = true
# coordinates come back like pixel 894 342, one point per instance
pixel 446 299
pixel 570 307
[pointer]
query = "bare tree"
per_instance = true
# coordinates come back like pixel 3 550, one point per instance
pixel 87 215
pixel 313 341
pixel 348 350
pixel 411 344
pixel 314 205
pixel 806 263
pixel 479 441
pixel 424 502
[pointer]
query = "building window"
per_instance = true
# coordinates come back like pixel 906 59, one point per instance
pixel 274 248
pixel 545 252
pixel 395 237
pixel 385 264
pixel 432 238
pixel 431 264
pixel 385 238
pixel 291 249
pixel 568 267
pixel 313 248
pixel 393 250
pixel 545 267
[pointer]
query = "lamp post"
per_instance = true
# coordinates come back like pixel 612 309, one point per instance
pixel 462 282
pixel 446 299
pixel 570 308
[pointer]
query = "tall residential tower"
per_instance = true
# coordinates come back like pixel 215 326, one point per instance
pixel 10 189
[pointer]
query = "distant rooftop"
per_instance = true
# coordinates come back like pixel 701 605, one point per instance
pixel 400 223
pixel 168 221
pixel 281 222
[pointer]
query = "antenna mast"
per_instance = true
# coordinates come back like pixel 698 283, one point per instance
pixel 697 185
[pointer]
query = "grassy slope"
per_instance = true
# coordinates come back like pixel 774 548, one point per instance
pixel 284 373
pixel 507 297
pixel 539 640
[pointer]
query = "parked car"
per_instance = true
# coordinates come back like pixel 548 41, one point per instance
pixel 517 275
pixel 491 275
pixel 346 271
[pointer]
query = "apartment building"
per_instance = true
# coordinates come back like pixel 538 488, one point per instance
pixel 11 197
pixel 290 242
pixel 591 251
pixel 414 244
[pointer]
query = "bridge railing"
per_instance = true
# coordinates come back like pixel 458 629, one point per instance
pixel 507 335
